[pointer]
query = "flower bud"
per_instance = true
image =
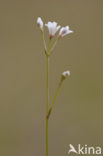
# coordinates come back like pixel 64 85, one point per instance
pixel 40 23
pixel 65 74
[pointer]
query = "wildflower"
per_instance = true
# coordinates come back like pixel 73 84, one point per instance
pixel 40 23
pixel 64 31
pixel 65 74
pixel 52 28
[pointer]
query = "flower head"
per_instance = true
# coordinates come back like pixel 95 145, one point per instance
pixel 52 28
pixel 64 31
pixel 40 23
pixel 65 74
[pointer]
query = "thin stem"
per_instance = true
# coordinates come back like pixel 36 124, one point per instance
pixel 54 45
pixel 47 81
pixel 47 85
pixel 45 48
pixel 56 93
pixel 49 47
pixel 46 136
pixel 47 58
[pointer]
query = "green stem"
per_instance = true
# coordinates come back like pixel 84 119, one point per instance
pixel 54 45
pixel 49 47
pixel 56 93
pixel 47 57
pixel 47 82
pixel 45 48
pixel 47 85
pixel 46 136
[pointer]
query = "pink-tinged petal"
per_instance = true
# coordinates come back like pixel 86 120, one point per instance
pixel 64 31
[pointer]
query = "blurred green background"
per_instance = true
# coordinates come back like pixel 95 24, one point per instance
pixel 77 115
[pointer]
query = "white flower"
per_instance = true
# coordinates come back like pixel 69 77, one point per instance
pixel 66 74
pixel 40 23
pixel 64 31
pixel 53 28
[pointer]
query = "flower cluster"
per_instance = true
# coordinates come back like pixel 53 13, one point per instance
pixel 53 27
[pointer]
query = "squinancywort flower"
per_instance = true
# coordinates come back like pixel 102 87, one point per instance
pixel 52 28
pixel 40 23
pixel 64 31
pixel 65 74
